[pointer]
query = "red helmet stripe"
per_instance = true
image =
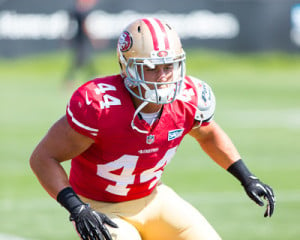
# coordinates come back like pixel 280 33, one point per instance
pixel 167 45
pixel 157 32
pixel 153 34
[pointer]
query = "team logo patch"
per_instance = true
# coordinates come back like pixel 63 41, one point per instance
pixel 175 134
pixel 125 41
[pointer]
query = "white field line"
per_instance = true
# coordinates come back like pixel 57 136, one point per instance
pixel 238 197
pixel 265 118
pixel 10 237
pixel 283 196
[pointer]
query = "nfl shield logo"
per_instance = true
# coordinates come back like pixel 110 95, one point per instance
pixel 150 139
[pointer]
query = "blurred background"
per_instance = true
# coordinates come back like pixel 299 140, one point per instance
pixel 247 50
pixel 30 26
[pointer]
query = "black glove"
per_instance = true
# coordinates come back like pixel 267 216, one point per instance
pixel 254 188
pixel 90 224
pixel 257 190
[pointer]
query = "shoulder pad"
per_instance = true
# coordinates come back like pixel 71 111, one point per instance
pixel 206 100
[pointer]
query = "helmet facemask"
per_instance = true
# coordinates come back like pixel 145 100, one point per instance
pixel 154 92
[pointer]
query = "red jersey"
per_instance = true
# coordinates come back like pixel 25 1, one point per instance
pixel 124 164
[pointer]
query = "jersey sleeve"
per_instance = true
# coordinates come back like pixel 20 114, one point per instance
pixel 206 102
pixel 82 114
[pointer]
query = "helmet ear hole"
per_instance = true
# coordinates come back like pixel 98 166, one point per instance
pixel 139 29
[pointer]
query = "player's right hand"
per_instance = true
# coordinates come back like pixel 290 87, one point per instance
pixel 91 224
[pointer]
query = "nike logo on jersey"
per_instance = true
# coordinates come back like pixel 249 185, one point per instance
pixel 174 134
pixel 87 101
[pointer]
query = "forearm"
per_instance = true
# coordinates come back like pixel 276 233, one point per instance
pixel 216 143
pixel 220 148
pixel 61 143
pixel 50 174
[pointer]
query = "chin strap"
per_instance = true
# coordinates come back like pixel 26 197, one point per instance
pixel 134 115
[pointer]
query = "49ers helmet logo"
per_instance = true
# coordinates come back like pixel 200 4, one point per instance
pixel 162 53
pixel 125 41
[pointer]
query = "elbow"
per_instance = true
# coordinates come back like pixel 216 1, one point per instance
pixel 33 161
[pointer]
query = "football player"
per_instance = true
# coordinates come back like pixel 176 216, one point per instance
pixel 121 131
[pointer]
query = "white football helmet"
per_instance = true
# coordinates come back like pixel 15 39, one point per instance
pixel 150 42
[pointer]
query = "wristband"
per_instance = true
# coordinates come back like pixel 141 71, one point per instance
pixel 68 199
pixel 241 172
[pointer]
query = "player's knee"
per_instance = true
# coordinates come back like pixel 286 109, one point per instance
pixel 124 231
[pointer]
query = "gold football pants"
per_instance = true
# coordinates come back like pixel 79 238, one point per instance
pixel 162 215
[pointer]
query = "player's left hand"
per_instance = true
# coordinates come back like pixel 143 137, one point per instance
pixel 257 190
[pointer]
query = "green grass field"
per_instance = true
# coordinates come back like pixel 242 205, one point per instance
pixel 258 104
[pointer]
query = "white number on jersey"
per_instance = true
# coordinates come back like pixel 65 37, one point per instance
pixel 156 172
pixel 103 87
pixel 128 163
pixel 108 100
pixel 125 165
